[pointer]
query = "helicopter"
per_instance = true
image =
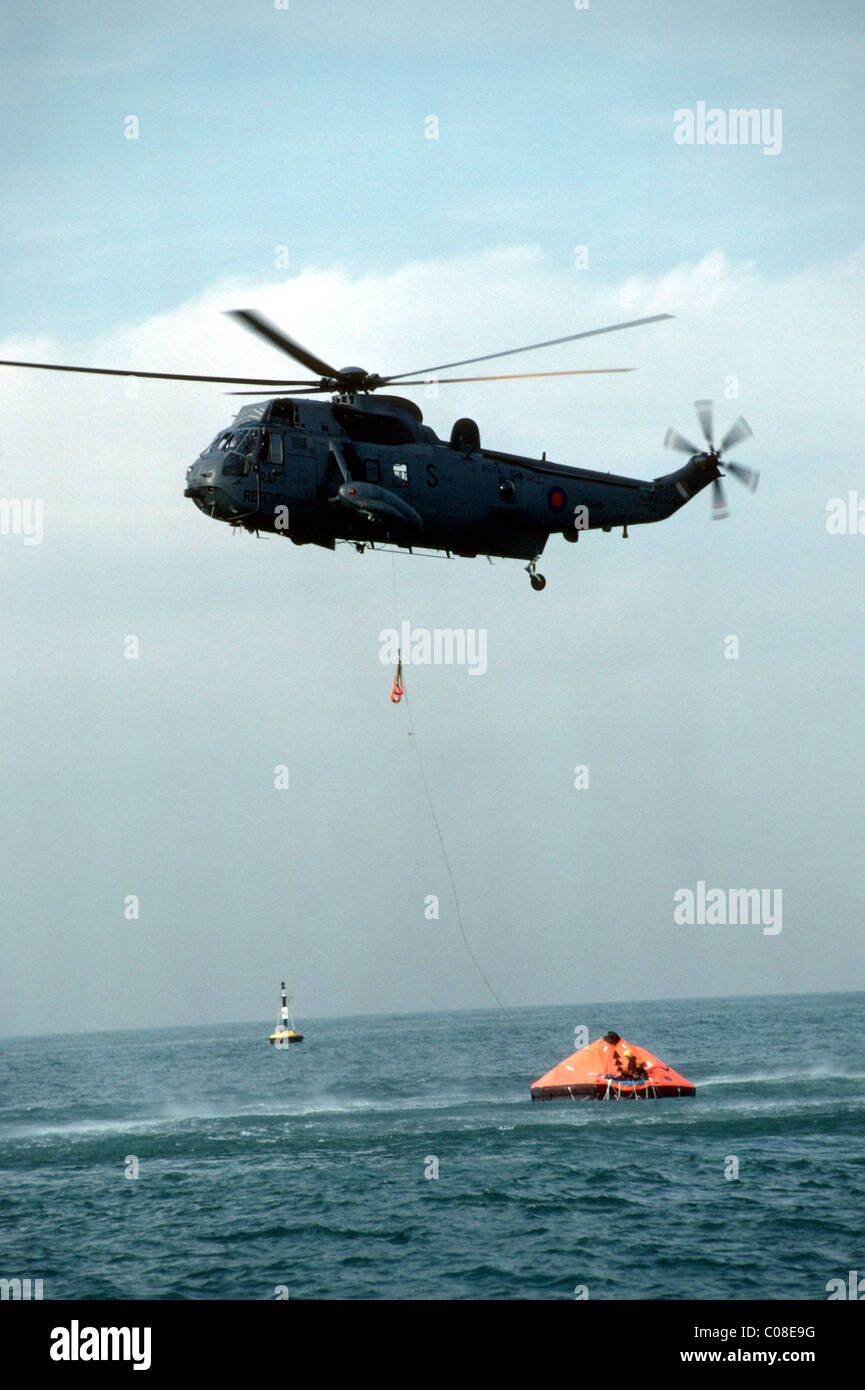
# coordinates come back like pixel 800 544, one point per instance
pixel 365 470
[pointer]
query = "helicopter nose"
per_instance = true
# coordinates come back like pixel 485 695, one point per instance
pixel 199 481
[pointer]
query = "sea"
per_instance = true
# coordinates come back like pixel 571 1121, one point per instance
pixel 401 1158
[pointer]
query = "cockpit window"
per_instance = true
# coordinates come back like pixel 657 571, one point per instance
pixel 240 441
pixel 239 450
pixel 245 441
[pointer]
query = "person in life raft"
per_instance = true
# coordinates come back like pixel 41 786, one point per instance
pixel 631 1070
pixel 634 1070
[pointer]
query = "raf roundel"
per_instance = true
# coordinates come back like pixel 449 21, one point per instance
pixel 557 498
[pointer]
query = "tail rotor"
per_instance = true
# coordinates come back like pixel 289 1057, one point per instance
pixel 737 432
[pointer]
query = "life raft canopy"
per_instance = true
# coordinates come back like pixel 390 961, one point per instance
pixel 610 1068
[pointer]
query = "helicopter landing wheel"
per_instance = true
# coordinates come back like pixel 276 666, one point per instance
pixel 537 580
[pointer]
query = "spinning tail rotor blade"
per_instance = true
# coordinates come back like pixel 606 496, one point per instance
pixel 740 430
pixel 749 476
pixel 719 501
pixel 704 411
pixel 674 440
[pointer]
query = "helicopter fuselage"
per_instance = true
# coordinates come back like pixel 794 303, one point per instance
pixel 367 471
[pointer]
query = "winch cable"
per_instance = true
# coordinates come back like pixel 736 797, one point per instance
pixel 414 743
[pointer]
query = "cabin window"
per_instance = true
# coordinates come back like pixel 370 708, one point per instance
pixel 285 412
pixel 365 427
pixel 270 448
pixel 400 475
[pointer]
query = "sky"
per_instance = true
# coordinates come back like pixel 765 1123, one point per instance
pixel 283 161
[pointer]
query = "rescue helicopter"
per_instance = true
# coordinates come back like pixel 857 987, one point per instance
pixel 365 470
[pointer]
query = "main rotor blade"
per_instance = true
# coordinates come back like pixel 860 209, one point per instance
pixel 740 430
pixel 530 347
pixel 313 388
pixel 513 376
pixel 749 476
pixel 674 440
pixel 446 380
pixel 257 323
pixel 719 501
pixel 704 411
pixel 156 376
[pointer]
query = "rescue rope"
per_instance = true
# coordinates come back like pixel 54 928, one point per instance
pixel 414 743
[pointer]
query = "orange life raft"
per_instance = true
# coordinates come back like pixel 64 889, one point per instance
pixel 604 1071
